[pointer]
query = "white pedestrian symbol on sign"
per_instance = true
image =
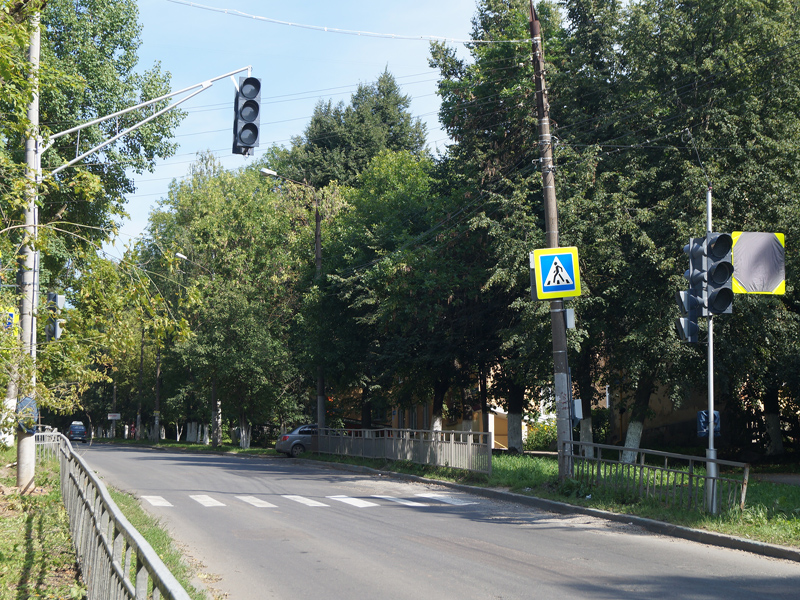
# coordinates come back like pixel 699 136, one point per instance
pixel 558 275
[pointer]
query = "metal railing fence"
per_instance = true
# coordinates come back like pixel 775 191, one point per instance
pixel 674 479
pixel 467 450
pixel 115 560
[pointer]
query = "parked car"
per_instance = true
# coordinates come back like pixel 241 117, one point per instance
pixel 77 431
pixel 296 442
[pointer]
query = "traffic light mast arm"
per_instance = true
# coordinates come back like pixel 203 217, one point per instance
pixel 204 85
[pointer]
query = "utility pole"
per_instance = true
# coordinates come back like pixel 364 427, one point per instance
pixel 562 381
pixel 28 271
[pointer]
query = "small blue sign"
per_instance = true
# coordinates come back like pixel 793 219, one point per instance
pixel 702 423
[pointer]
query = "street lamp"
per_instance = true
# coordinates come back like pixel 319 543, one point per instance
pixel 318 258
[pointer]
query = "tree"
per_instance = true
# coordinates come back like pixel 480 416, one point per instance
pixel 340 140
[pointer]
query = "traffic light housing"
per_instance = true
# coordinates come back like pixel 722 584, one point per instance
pixel 52 329
pixel 719 273
pixel 247 116
pixel 692 302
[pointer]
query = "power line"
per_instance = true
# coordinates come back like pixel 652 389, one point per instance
pixel 393 36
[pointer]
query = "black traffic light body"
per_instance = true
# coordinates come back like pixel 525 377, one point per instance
pixel 719 273
pixel 247 116
pixel 692 302
pixel 52 329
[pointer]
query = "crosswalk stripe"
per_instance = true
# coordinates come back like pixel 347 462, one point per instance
pixel 206 500
pixel 446 499
pixel 156 500
pixel 304 500
pixel 402 501
pixel 257 502
pixel 357 502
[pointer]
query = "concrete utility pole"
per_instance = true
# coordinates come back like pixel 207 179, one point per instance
pixel 28 271
pixel 558 323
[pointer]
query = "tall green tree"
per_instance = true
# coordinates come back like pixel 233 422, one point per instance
pixel 341 139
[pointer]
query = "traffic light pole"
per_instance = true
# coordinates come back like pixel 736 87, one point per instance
pixel 711 452
pixel 28 274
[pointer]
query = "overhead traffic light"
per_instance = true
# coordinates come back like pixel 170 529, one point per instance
pixel 719 295
pixel 247 116
pixel 55 302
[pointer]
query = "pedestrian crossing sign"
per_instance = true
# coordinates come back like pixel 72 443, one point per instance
pixel 555 273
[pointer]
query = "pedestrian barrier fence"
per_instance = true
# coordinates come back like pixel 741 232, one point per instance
pixel 673 479
pixel 467 450
pixel 115 560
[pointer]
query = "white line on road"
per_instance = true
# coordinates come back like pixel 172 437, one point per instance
pixel 306 501
pixel 357 502
pixel 257 502
pixel 447 499
pixel 401 501
pixel 156 500
pixel 206 500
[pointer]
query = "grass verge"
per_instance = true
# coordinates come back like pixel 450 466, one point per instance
pixel 37 559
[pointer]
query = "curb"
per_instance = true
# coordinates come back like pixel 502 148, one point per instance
pixel 702 536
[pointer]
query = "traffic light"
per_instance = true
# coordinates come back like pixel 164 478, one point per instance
pixel 719 269
pixel 55 302
pixel 692 302
pixel 247 117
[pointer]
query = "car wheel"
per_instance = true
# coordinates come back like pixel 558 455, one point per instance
pixel 297 450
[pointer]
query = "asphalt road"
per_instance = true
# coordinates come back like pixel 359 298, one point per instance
pixel 282 528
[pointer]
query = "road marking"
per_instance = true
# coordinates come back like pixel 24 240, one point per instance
pixel 357 502
pixel 156 500
pixel 401 501
pixel 257 502
pixel 206 500
pixel 306 501
pixel 447 499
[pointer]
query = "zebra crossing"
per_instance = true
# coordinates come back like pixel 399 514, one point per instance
pixel 428 499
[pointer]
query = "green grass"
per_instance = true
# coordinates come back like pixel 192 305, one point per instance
pixel 158 537
pixel 37 559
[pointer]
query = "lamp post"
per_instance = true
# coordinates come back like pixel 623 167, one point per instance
pixel 318 260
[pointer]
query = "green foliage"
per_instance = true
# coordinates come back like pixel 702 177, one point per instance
pixel 541 436
pixel 340 140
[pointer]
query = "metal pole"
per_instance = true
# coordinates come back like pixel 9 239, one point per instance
pixel 712 469
pixel 558 324
pixel 318 259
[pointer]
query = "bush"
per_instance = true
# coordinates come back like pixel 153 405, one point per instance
pixel 541 436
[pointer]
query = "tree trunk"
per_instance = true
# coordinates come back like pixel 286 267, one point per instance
pixel 641 406
pixel 772 420
pixel 586 436
pixel 244 431
pixel 484 398
pixel 516 403
pixel 366 408
pixel 440 388
pixel 216 414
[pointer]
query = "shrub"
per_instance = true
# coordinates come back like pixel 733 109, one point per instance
pixel 541 436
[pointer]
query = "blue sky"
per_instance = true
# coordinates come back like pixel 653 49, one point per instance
pixel 298 67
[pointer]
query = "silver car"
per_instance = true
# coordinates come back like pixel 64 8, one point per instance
pixel 296 442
